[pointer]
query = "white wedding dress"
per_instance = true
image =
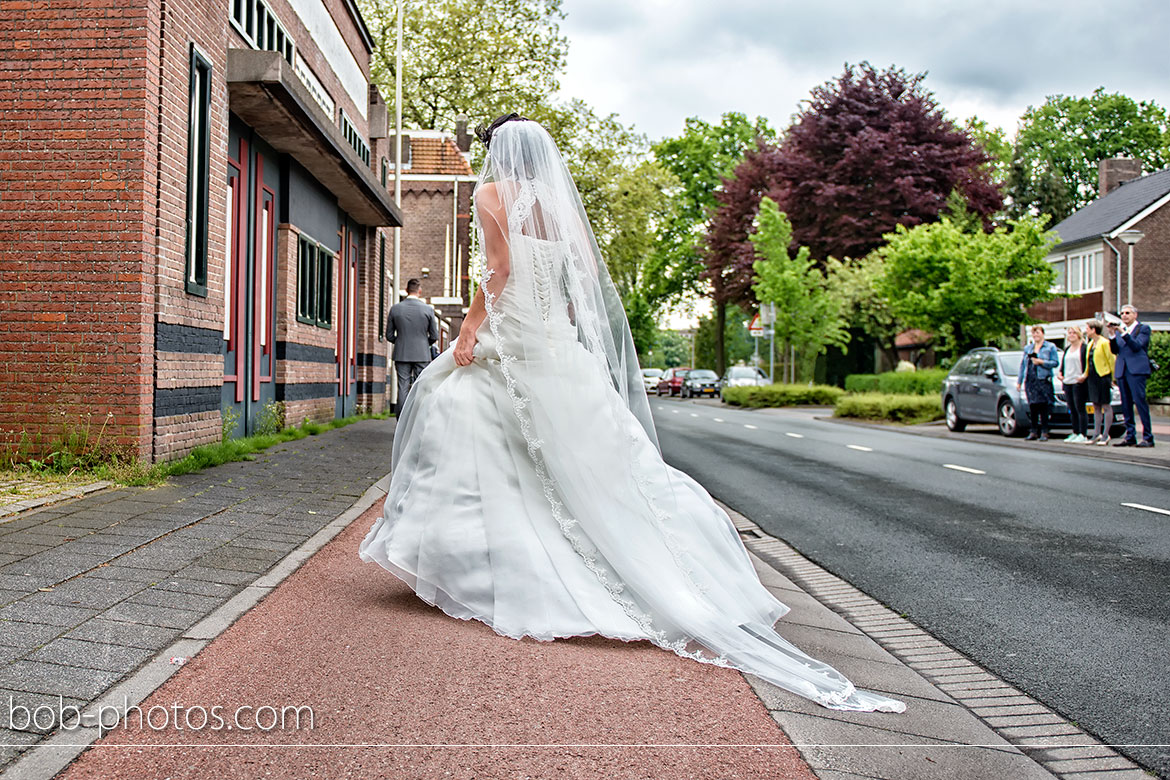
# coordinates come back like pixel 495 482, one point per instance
pixel 527 494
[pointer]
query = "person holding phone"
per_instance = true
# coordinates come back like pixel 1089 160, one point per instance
pixel 1098 382
pixel 1131 344
pixel 1040 357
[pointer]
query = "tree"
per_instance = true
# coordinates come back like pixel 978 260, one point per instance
pixel 1058 147
pixel 872 151
pixel 854 283
pixel 672 349
pixel 808 314
pixel 700 159
pixel 737 343
pixel 729 256
pixel 480 57
pixel 966 288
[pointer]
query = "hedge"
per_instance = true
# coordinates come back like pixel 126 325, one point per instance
pixel 903 408
pixel 928 381
pixel 1159 384
pixel 783 395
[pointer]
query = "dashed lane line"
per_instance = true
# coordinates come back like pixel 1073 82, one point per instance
pixel 694 415
pixel 795 435
pixel 964 469
pixel 718 419
pixel 1154 509
pixel 859 448
pixel 751 427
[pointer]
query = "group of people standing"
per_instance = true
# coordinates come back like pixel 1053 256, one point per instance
pixel 1091 363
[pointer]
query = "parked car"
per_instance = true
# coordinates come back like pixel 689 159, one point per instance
pixel 650 377
pixel 742 376
pixel 982 388
pixel 670 383
pixel 700 382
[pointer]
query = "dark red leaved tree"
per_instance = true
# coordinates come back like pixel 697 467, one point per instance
pixel 873 150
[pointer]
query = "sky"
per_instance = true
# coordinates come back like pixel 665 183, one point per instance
pixel 657 62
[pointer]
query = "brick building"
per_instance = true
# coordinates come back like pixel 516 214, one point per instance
pixel 437 180
pixel 191 223
pixel 1093 260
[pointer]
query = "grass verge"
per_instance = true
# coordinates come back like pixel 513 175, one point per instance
pixel 889 407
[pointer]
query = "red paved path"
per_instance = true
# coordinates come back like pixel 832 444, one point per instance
pixel 380 668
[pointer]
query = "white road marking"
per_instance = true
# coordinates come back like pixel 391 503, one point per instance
pixel 859 448
pixel 694 415
pixel 718 419
pixel 1148 508
pixel 674 410
pixel 962 468
pixel 752 427
pixel 795 435
pixel 661 408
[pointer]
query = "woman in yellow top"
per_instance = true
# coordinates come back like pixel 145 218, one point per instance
pixel 1099 382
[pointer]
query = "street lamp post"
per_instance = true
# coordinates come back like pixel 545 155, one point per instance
pixel 1130 237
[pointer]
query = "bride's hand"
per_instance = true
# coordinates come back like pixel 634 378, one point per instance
pixel 465 348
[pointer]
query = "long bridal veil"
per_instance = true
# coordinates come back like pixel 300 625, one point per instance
pixel 657 542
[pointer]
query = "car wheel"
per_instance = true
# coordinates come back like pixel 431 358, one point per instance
pixel 954 423
pixel 1009 424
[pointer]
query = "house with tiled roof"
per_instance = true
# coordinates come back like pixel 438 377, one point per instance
pixel 1114 251
pixel 437 180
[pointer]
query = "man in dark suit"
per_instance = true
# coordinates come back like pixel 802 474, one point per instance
pixel 1131 344
pixel 412 328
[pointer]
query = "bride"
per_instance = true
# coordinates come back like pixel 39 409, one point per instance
pixel 527 488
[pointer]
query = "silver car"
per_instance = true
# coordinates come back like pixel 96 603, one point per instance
pixel 650 377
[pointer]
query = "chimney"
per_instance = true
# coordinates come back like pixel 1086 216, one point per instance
pixel 1114 172
pixel 462 137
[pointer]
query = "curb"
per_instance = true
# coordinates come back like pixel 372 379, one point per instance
pixel 41 763
pixel 1042 734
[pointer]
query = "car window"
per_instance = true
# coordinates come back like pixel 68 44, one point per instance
pixel 965 365
pixel 651 373
pixel 742 372
pixel 702 373
pixel 986 362
pixel 1009 363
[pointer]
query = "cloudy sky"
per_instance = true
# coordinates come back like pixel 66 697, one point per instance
pixel 656 62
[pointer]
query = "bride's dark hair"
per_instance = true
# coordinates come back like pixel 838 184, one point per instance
pixel 485 133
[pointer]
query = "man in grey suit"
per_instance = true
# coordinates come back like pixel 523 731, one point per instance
pixel 412 328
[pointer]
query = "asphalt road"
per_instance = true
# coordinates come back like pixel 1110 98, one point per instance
pixel 1033 568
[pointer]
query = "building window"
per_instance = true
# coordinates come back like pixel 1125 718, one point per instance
pixel 385 171
pixel 314 284
pixel 259 27
pixel 354 138
pixel 382 283
pixel 1059 283
pixel 1085 272
pixel 198 165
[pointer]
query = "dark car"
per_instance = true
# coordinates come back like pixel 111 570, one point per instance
pixel 982 388
pixel 700 382
pixel 671 381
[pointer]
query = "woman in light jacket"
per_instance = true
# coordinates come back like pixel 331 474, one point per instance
pixel 1072 375
pixel 1035 378
pixel 1099 382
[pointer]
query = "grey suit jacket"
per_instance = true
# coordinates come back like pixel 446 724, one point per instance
pixel 412 327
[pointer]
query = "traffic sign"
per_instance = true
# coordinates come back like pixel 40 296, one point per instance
pixel 755 327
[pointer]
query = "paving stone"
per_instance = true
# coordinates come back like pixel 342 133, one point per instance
pixel 179 600
pixel 813 641
pixel 8 596
pixel 21 548
pixel 14 719
pixel 56 680
pixel 999 710
pixel 1121 774
pixel 889 755
pixel 807 611
pixel 90 592
pixel 46 613
pixel 17 633
pixel 1091 765
pixel 1023 720
pixel 124 634
pixel 94 655
pixel 225 576
pixel 115 571
pixel 165 617
pixel 198 587
pixel 9 653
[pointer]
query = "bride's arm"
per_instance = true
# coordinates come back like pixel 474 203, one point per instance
pixel 494 222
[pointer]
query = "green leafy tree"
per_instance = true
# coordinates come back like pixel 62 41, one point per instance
pixel 854 283
pixel 476 57
pixel 808 314
pixel 1058 147
pixel 738 344
pixel 672 349
pixel 967 288
pixel 700 159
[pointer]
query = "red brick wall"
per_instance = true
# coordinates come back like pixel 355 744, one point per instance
pixel 1151 264
pixel 77 119
pixel 427 211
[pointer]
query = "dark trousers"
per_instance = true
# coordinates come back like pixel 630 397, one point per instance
pixel 1133 392
pixel 407 372
pixel 1075 395
pixel 1038 411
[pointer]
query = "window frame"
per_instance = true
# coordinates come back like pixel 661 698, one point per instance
pixel 197 217
pixel 314 283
